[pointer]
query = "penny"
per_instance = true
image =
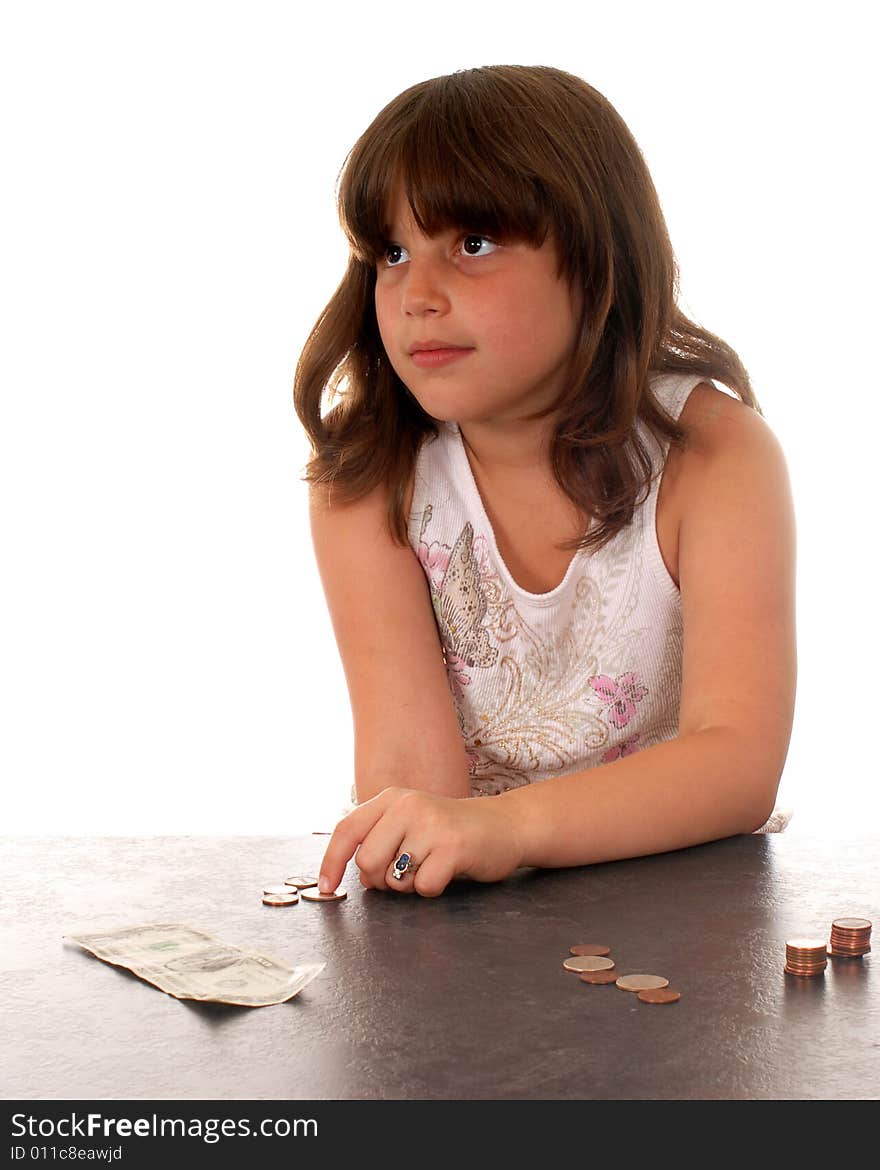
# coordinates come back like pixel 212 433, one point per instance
pixel 590 949
pixel 280 899
pixel 588 963
pixel 850 938
pixel 280 890
pixel 805 956
pixel 659 995
pixel 301 883
pixel 599 977
pixel 641 982
pixel 806 944
pixel 314 896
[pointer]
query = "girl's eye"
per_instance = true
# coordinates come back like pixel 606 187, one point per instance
pixel 470 240
pixel 391 256
pixel 471 245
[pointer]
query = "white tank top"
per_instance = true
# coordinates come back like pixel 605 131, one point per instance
pixel 549 683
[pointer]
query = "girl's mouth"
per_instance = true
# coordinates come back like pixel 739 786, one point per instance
pixel 438 357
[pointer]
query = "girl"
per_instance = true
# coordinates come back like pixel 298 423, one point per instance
pixel 558 559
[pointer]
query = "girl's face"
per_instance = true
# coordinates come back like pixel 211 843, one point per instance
pixel 503 306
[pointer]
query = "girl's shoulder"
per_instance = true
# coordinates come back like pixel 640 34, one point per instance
pixel 718 425
pixel 729 453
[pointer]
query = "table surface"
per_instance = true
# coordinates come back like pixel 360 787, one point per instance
pixel 458 997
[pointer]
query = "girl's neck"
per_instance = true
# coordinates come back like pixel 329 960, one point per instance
pixel 511 449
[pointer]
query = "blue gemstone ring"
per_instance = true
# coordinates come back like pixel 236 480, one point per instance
pixel 404 864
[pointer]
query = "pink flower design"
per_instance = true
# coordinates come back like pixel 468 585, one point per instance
pixel 622 749
pixel 481 556
pixel 620 694
pixel 456 667
pixel 434 558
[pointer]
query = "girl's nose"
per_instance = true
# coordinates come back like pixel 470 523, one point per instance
pixel 424 289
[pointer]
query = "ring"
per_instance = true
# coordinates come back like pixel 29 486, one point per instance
pixel 404 864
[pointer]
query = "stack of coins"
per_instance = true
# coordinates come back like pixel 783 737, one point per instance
pixel 850 937
pixel 805 956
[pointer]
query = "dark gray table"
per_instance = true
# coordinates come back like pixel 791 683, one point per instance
pixel 460 997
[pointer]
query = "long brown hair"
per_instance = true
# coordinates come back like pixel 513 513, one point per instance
pixel 515 152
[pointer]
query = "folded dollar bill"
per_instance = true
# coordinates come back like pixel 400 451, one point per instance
pixel 190 964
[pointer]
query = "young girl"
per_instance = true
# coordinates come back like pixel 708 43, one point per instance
pixel 558 559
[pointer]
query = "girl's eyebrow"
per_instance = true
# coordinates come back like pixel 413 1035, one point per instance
pixel 396 230
pixel 395 233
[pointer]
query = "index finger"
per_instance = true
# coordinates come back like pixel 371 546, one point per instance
pixel 344 840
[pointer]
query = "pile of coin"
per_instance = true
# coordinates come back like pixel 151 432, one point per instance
pixel 288 892
pixel 591 962
pixel 805 956
pixel 850 937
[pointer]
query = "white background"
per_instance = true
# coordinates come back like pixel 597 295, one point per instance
pixel 169 236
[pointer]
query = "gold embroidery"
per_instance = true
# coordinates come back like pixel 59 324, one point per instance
pixel 546 719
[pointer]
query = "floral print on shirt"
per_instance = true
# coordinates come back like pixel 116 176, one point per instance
pixel 550 705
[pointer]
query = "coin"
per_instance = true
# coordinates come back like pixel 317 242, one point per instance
pixel 641 982
pixel 850 938
pixel 590 949
pixel 659 995
pixel 280 899
pixel 805 956
pixel 280 890
pixel 588 963
pixel 314 896
pixel 598 977
pixel 301 883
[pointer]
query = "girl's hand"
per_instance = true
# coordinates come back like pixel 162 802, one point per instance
pixel 473 837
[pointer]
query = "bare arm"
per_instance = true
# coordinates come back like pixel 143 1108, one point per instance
pixel 737 576
pixel 405 727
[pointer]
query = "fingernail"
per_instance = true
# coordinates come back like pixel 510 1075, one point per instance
pixel 324 885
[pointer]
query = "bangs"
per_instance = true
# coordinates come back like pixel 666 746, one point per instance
pixel 459 166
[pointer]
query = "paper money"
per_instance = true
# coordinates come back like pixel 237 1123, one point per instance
pixel 190 964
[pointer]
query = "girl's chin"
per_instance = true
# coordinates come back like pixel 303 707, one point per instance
pixel 438 411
